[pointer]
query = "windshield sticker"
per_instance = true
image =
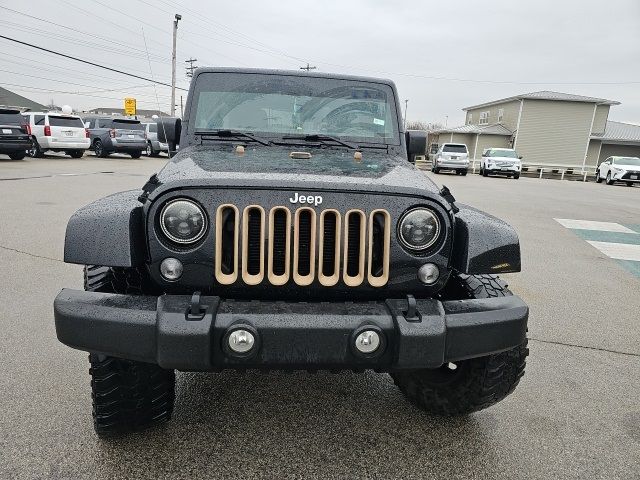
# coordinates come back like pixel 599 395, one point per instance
pixel 378 121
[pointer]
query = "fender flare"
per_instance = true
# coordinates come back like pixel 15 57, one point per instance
pixel 108 232
pixel 483 244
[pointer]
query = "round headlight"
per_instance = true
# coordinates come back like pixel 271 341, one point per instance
pixel 419 229
pixel 183 221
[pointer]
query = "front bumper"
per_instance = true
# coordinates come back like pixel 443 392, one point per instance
pixel 631 177
pixel 503 169
pixel 161 330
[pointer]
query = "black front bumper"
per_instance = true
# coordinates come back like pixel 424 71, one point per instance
pixel 290 335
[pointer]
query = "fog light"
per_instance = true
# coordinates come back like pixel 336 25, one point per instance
pixel 171 269
pixel 428 274
pixel 368 341
pixel 241 341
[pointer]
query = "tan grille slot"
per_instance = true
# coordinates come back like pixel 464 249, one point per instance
pixel 226 260
pixel 280 245
pixel 253 224
pixel 329 248
pixel 279 253
pixel 304 246
pixel 379 246
pixel 354 247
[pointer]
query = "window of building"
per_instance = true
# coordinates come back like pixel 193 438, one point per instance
pixel 469 118
pixel 484 118
pixel 500 114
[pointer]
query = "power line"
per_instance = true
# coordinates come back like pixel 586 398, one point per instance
pixel 88 62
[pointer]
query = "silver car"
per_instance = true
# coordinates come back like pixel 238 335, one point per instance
pixel 154 147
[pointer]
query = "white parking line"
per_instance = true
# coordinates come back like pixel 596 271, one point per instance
pixel 619 251
pixel 590 225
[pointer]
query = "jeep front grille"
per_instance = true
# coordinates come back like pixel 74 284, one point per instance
pixel 352 246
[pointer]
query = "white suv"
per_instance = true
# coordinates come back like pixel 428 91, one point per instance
pixel 57 132
pixel 451 156
pixel 501 161
pixel 619 169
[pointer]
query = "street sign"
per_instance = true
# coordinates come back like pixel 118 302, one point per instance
pixel 130 106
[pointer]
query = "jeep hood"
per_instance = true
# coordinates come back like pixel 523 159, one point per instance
pixel 272 167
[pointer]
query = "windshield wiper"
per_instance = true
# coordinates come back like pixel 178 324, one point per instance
pixel 232 134
pixel 314 137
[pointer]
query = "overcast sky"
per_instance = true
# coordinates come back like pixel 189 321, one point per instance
pixel 443 56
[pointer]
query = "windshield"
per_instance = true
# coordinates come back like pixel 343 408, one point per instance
pixel 454 148
pixel 127 125
pixel 278 105
pixel 503 153
pixel 635 161
pixel 65 122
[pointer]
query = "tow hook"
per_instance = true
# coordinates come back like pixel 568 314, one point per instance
pixel 411 314
pixel 196 310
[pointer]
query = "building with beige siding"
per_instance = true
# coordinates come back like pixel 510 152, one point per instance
pixel 546 128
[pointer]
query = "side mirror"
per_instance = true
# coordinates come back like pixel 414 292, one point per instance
pixel 169 129
pixel 416 143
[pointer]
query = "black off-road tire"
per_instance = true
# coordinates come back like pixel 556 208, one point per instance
pixel 127 395
pixel 476 383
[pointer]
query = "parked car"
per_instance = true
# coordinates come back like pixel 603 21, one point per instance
pixel 501 161
pixel 56 132
pixel 619 169
pixel 116 135
pixel 154 147
pixel 256 247
pixel 452 156
pixel 14 135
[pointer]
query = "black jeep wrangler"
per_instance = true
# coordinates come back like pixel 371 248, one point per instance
pixel 291 232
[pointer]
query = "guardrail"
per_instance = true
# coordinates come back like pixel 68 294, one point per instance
pixel 423 163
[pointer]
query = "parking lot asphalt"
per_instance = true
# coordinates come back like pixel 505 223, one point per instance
pixel 575 414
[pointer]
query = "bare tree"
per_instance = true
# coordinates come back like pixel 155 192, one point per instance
pixel 426 126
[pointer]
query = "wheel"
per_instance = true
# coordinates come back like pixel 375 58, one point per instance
pixel 17 155
pixel 485 173
pixel 629 184
pixel 468 385
pixel 127 395
pixel 481 171
pixel 153 153
pixel 135 154
pixel 75 153
pixel 598 177
pixel 35 151
pixel 463 173
pixel 99 150
pixel 608 180
pixel 516 176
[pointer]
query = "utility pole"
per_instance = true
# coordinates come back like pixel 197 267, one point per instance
pixel 191 67
pixel 308 67
pixel 404 125
pixel 173 65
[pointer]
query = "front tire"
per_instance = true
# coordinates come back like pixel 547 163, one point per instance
pixel 608 180
pixel 516 176
pixel 485 173
pixel 468 385
pixel 127 395
pixel 463 173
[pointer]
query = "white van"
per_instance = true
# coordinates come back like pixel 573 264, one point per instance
pixel 57 132
pixel 451 156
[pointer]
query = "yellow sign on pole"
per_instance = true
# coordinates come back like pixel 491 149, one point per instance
pixel 130 106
